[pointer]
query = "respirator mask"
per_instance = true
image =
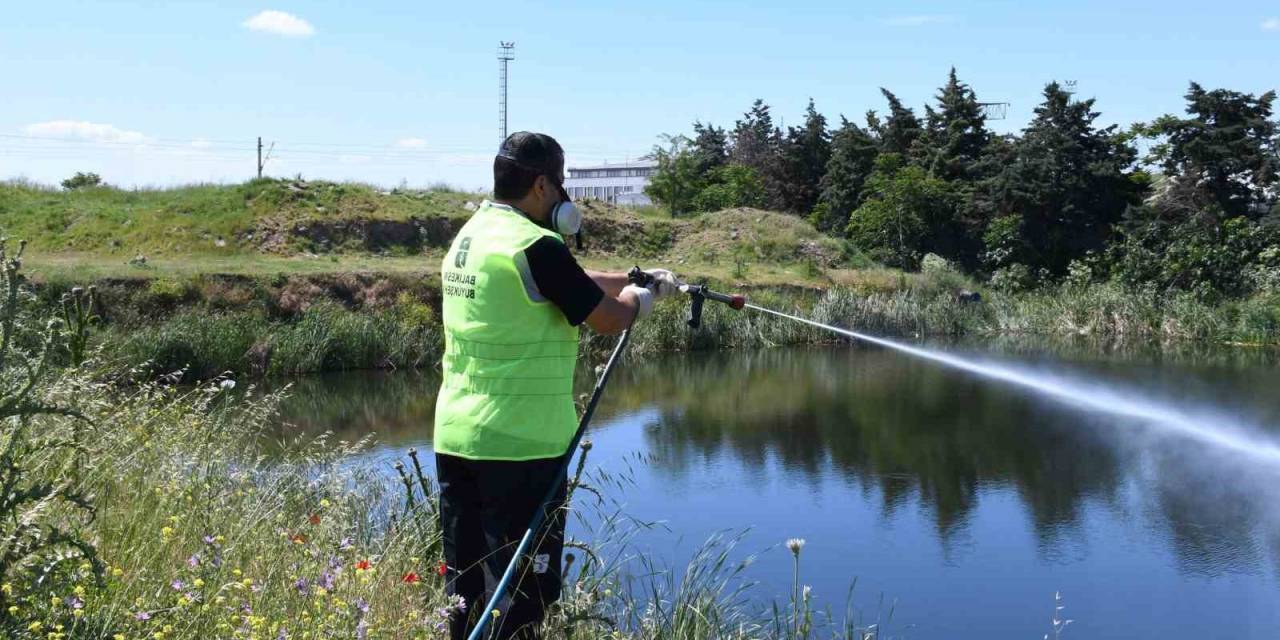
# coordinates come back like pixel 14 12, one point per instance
pixel 565 218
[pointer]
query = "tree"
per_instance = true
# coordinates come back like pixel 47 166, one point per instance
pixel 710 147
pixel 756 143
pixel 907 213
pixel 677 180
pixel 82 181
pixel 802 163
pixel 1228 149
pixel 755 139
pixel 729 186
pixel 1067 185
pixel 955 134
pixel 853 156
pixel 899 131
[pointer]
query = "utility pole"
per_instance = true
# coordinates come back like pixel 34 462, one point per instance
pixel 262 162
pixel 506 53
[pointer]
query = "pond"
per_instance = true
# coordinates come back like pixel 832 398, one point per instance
pixel 961 503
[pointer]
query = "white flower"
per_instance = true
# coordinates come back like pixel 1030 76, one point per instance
pixel 227 384
pixel 795 545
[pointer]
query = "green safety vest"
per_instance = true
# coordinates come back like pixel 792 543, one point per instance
pixel 507 392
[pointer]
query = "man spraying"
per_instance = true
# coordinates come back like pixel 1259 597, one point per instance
pixel 514 298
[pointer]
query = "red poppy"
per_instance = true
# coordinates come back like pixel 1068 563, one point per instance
pixel 410 578
pixel 442 569
pixel 313 519
pixel 362 565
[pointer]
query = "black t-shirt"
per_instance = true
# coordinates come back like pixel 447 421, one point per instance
pixel 559 278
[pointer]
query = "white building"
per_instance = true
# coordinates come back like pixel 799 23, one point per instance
pixel 621 184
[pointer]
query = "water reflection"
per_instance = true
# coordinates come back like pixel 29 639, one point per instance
pixel 974 474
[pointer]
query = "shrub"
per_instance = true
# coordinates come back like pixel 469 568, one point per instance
pixel 82 181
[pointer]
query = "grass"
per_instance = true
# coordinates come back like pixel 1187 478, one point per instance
pixel 287 246
pixel 151 512
pixel 206 219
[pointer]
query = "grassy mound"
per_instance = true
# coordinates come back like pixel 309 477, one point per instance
pixel 753 234
pixel 210 219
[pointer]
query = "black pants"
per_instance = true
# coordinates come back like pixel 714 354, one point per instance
pixel 485 508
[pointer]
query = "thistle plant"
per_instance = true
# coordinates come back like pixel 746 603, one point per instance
pixel 41 510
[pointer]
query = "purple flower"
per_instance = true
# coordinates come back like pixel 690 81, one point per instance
pixel 209 540
pixel 177 585
pixel 74 602
pixel 193 561
pixel 345 545
pixel 142 616
pixel 282 635
pixel 303 587
pixel 326 581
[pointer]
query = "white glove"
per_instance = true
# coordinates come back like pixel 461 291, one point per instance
pixel 664 283
pixel 644 299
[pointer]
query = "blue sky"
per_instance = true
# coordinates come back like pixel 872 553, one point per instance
pixel 153 93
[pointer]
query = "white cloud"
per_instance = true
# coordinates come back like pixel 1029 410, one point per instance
pixel 280 23
pixel 1271 24
pixel 82 130
pixel 201 143
pixel 411 143
pixel 918 20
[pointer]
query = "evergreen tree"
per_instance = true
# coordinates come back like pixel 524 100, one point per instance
pixel 755 138
pixel 899 131
pixel 1227 150
pixel 1068 182
pixel 710 147
pixel 853 156
pixel 955 134
pixel 802 163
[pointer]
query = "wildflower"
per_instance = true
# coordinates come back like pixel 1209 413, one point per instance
pixel 795 545
pixel 227 384
pixel 209 540
pixel 326 580
pixel 193 561
pixel 177 585
pixel 79 590
pixel 345 545
pixel 166 531
pixel 410 578
pixel 324 503
pixel 35 626
pixel 199 582
pixel 142 616
pixel 75 602
pixel 117 572
pixel 219 539
pixel 118 636
pixel 298 538
pixel 314 519
pixel 495 613
pixel 442 569
pixel 13 610
pixel 362 565
pixel 6 589
pixel 303 587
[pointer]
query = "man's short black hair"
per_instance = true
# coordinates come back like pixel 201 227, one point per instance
pixel 523 157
